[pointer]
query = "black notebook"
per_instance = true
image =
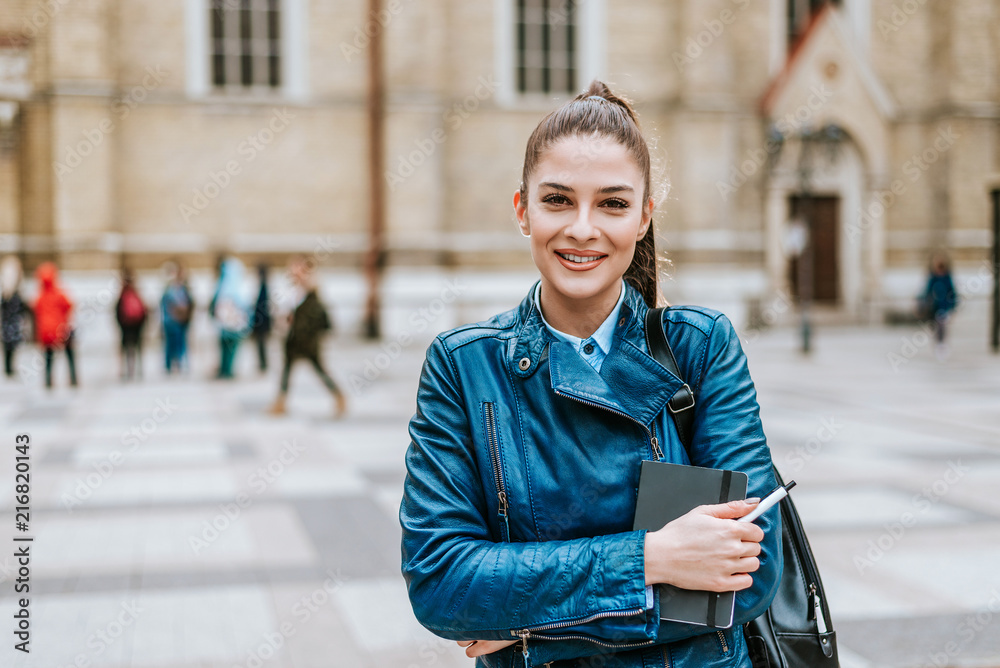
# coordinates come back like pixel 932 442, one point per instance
pixel 667 491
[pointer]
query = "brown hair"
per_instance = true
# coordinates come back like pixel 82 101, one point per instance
pixel 599 111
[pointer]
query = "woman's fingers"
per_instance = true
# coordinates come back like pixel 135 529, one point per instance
pixel 474 648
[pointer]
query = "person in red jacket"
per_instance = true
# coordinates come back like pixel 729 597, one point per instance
pixel 52 325
pixel 131 315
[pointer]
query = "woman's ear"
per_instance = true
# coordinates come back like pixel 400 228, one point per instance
pixel 521 211
pixel 647 218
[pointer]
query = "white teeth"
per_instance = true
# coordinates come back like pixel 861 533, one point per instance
pixel 579 258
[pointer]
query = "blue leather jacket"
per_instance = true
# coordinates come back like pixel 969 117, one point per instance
pixel 522 476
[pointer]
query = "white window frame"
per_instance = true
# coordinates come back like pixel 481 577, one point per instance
pixel 294 74
pixel 590 52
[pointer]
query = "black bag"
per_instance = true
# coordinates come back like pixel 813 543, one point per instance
pixel 796 630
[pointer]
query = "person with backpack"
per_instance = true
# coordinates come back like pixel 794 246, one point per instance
pixel 231 314
pixel 940 299
pixel 531 427
pixel 130 313
pixel 307 326
pixel 176 309
pixel 53 328
pixel 13 311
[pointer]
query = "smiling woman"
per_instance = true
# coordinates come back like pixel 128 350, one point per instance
pixel 530 428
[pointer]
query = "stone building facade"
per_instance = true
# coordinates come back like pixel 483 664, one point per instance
pixel 140 130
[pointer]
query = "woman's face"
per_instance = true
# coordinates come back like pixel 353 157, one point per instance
pixel 584 212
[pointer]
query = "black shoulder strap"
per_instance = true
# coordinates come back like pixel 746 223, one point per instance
pixel 682 402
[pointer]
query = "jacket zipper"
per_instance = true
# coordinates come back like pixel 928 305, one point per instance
pixel 725 645
pixel 494 448
pixel 524 634
pixel 654 444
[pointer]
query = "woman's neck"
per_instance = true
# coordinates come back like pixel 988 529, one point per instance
pixel 577 317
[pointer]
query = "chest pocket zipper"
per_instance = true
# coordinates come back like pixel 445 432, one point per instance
pixel 493 444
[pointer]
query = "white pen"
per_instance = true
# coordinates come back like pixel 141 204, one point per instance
pixel 770 500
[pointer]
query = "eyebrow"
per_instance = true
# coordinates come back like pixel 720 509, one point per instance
pixel 604 191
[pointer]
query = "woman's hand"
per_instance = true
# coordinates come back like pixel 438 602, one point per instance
pixel 706 549
pixel 474 648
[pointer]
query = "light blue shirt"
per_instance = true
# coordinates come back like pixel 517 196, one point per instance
pixel 595 348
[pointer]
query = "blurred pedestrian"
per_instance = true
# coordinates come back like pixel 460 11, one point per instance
pixel 131 314
pixel 52 320
pixel 231 314
pixel 309 322
pixel 939 301
pixel 176 308
pixel 13 311
pixel 261 325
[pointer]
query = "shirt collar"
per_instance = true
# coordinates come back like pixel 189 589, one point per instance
pixel 604 335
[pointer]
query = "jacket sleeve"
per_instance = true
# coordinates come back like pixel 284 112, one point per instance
pixel 464 585
pixel 728 435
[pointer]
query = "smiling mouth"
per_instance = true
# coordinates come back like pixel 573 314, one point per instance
pixel 580 259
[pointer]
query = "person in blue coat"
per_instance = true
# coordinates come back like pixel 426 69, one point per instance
pixel 940 299
pixel 530 428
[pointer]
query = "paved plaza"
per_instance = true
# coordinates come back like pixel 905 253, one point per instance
pixel 176 524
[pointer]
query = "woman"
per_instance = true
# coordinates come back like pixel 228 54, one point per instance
pixel 230 311
pixel 131 314
pixel 176 308
pixel 306 327
pixel 940 298
pixel 13 311
pixel 530 429
pixel 52 320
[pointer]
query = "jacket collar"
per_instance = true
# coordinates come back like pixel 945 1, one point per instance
pixel 630 381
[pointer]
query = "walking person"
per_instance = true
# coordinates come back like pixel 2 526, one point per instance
pixel 530 429
pixel 176 309
pixel 13 311
pixel 940 299
pixel 309 322
pixel 52 321
pixel 231 314
pixel 131 314
pixel 261 324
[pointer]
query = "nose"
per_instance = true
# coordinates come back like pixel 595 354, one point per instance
pixel 581 228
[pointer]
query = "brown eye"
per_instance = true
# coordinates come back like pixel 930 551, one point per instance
pixel 555 198
pixel 616 203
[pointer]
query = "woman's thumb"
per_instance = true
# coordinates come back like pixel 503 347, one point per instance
pixel 732 510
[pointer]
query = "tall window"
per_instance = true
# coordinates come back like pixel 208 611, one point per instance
pixel 246 43
pixel 800 15
pixel 546 32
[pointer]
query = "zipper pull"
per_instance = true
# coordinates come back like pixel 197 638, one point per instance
pixel 818 609
pixel 502 496
pixel 524 645
pixel 657 452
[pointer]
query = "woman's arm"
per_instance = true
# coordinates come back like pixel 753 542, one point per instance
pixel 465 586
